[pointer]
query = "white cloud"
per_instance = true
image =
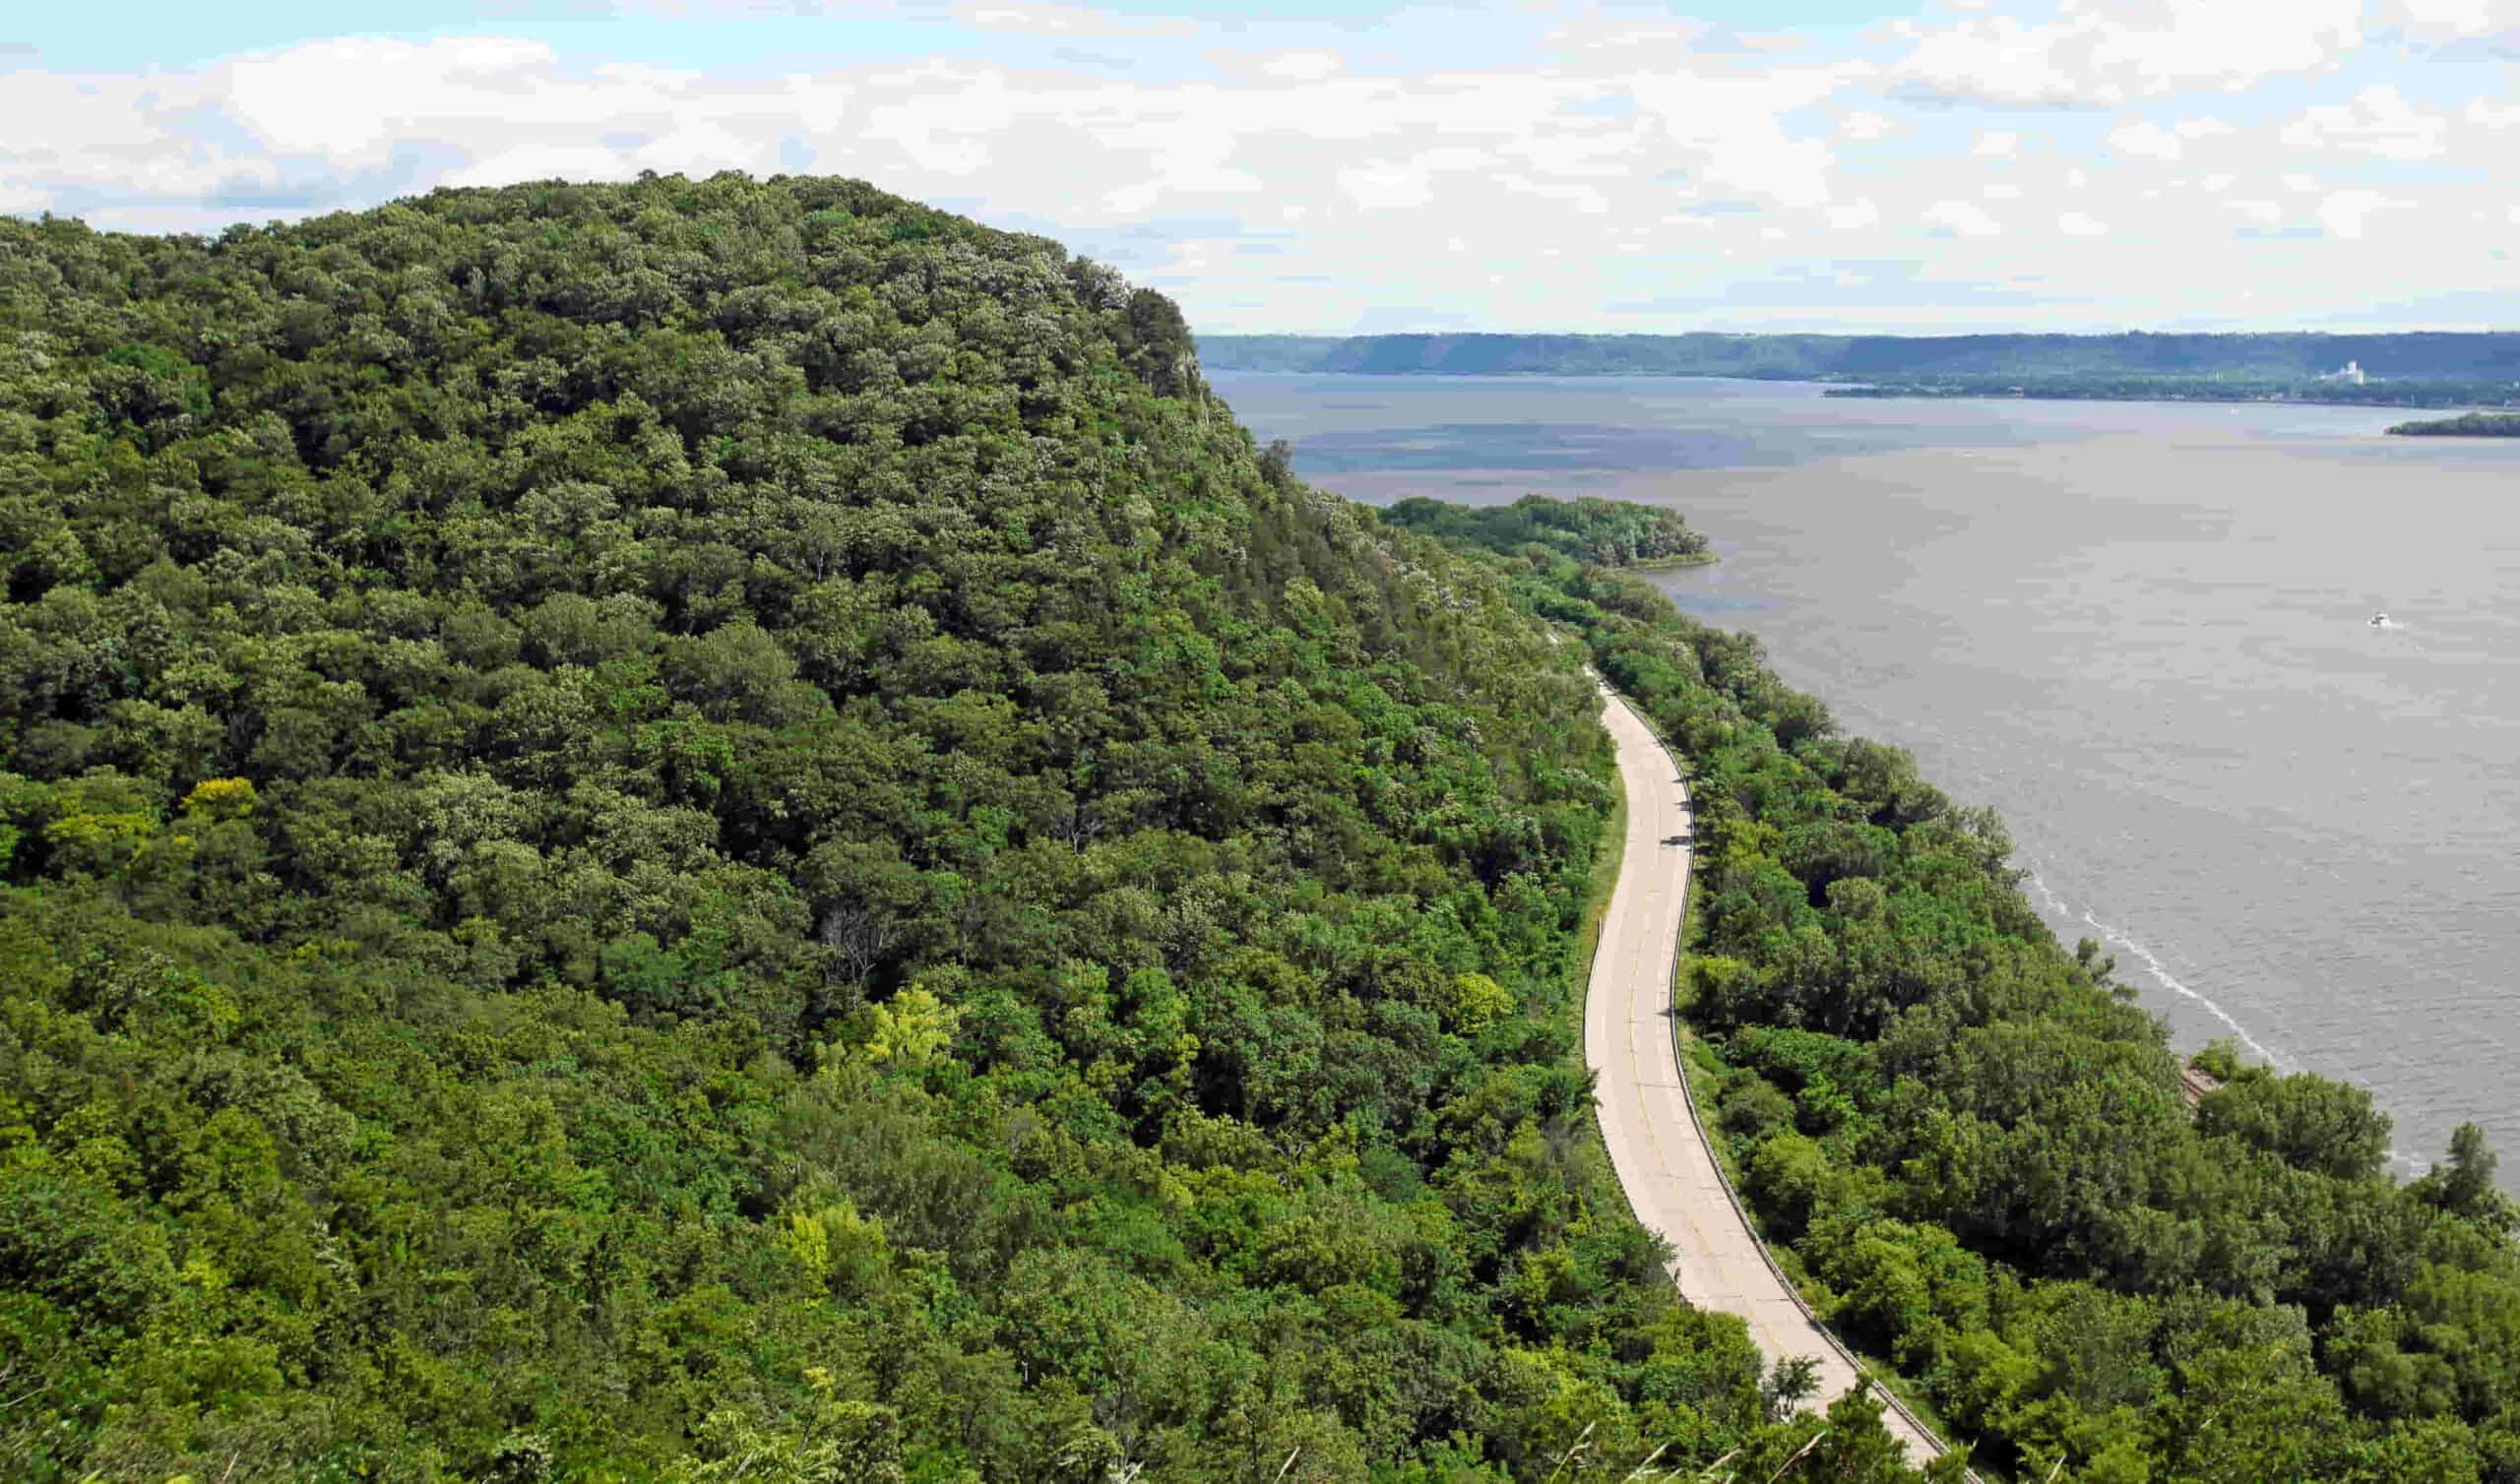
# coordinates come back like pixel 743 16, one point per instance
pixel 2105 52
pixel 1622 41
pixel 1997 59
pixel 1961 218
pixel 2453 17
pixel 2346 212
pixel 2485 115
pixel 1279 175
pixel 350 100
pixel 1052 18
pixel 539 162
pixel 2449 23
pixel 1075 148
pixel 2146 140
pixel 2378 121
pixel 1733 124
pixel 1384 188
pixel 2151 141
pixel 1301 66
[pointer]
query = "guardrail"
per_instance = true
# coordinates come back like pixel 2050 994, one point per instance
pixel 1688 1097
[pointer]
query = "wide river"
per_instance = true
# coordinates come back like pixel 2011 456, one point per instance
pixel 2142 632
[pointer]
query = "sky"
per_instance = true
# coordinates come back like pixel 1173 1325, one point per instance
pixel 1320 167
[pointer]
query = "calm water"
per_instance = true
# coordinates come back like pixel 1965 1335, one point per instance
pixel 2138 630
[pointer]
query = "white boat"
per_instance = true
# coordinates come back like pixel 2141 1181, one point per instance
pixel 2380 621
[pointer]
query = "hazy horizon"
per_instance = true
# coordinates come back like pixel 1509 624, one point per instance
pixel 2131 330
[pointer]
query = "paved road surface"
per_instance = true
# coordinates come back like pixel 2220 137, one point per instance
pixel 1654 1144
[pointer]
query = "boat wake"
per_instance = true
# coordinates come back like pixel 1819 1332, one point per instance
pixel 2153 965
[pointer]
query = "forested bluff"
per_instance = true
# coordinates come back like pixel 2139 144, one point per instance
pixel 2429 369
pixel 2446 355
pixel 729 829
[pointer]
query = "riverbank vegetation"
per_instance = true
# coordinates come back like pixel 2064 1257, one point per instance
pixel 2466 425
pixel 1610 533
pixel 2396 391
pixel 1975 1139
pixel 707 831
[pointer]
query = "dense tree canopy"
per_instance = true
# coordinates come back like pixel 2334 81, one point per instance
pixel 1974 1147
pixel 1608 532
pixel 729 830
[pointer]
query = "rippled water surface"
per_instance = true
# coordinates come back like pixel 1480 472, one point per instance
pixel 2140 630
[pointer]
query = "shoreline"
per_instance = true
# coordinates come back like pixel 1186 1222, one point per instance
pixel 1854 391
pixel 2480 422
pixel 1866 394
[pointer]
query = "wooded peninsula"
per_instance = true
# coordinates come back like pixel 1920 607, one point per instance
pixel 2467 425
pixel 713 830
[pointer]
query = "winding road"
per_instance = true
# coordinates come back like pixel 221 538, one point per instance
pixel 1656 1142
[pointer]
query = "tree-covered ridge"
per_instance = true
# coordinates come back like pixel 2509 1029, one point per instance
pixel 1974 1147
pixel 1610 533
pixel 2488 356
pixel 727 830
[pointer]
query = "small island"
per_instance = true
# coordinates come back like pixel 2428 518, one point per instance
pixel 2465 425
